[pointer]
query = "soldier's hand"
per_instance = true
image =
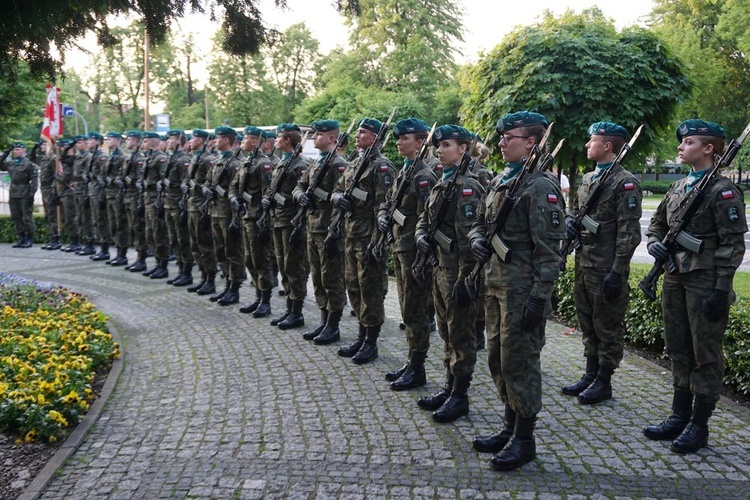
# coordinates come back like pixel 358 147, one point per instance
pixel 85 178
pixel 384 223
pixel 159 186
pixel 570 228
pixel 102 183
pixel 341 201
pixel 208 193
pixel 119 183
pixel 265 202
pixel 185 188
pixel 658 250
pixel 612 286
pixel 423 244
pixel 533 312
pixel 479 250
pixel 234 202
pixel 139 185
pixel 716 306
pixel 303 200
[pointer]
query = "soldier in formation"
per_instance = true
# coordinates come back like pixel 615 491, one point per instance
pixel 24 181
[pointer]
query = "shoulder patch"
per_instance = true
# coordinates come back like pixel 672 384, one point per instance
pixel 727 195
pixel 733 214
pixel 342 168
pixel 552 198
pixel 632 203
pixel 628 186
pixel 387 179
pixel 469 211
pixel 424 183
pixel 467 191
pixel 267 166
pixel 384 168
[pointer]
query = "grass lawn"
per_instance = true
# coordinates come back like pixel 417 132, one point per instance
pixel 741 279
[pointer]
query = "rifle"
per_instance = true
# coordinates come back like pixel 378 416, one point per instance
pixel 434 235
pixel 205 208
pixel 582 220
pixel 127 179
pixel 379 249
pixel 334 228
pixel 86 201
pixel 509 201
pixel 677 237
pixel 313 191
pixel 235 225
pixel 385 141
pixel 352 155
pixel 264 231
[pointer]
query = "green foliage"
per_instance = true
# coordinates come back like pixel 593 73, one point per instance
pixel 645 325
pixel 21 105
pixel 656 187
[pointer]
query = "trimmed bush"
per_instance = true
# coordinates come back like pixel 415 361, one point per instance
pixel 656 187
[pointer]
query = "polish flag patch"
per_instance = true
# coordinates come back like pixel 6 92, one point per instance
pixel 384 168
pixel 424 183
pixel 342 168
pixel 552 198
pixel 628 186
pixel 267 166
pixel 467 191
pixel 725 195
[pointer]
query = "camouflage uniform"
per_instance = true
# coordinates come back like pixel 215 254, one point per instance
pixel 177 227
pixel 67 199
pixel 118 222
pixel 24 179
pixel 99 221
pixel 81 179
pixel 156 229
pixel 132 170
pixel 201 240
pixel 47 170
pixel 229 251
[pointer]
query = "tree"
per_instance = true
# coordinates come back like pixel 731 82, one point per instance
pixel 30 29
pixel 576 70
pixel 22 105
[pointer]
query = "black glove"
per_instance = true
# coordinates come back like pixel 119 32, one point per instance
pixel 208 193
pixel 303 200
pixel 102 183
pixel 85 178
pixel 235 203
pixel 265 203
pixel 119 183
pixel 478 249
pixel 533 312
pixel 716 306
pixel 139 185
pixel 658 250
pixel 572 232
pixel 159 186
pixel 184 188
pixel 341 201
pixel 423 244
pixel 383 223
pixel 612 286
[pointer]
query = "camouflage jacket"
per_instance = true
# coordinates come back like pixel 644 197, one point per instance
pixel 251 182
pixel 174 175
pixel 319 219
pixel 200 164
pixel 218 178
pixel 24 177
pixel 283 202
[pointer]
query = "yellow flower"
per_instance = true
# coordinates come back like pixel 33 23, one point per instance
pixel 30 436
pixel 56 416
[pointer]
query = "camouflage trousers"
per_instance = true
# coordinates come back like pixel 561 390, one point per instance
pixel 257 257
pixel 136 224
pixel 83 216
pixel 413 302
pixel 364 282
pixel 99 220
pixel 118 222
pixel 22 214
pixel 327 273
pixel 50 211
pixel 454 324
pixel 229 251
pixel 70 222
pixel 602 323
pixel 513 354
pixel 694 344
pixel 156 234
pixel 292 261
pixel 201 241
pixel 179 236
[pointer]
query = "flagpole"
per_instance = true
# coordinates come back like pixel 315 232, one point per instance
pixel 146 117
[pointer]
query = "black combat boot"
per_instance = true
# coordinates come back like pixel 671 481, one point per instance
pixel 276 321
pixel 194 288
pixel 521 449
pixel 209 286
pixel 27 242
pixel 232 296
pixel 151 271
pixel 162 270
pixel 592 367
pixel 496 442
pixel 46 245
pixel 310 335
pixel 74 246
pixel 186 278
pixel 87 250
pixel 414 376
pixel 695 435
pixel 121 259
pixel 253 305
pixel 331 332
pixel 431 313
pixel 140 263
pixel 103 254
pixel 394 375
pixel 217 296
pixel 295 318
pixel 171 281
pixel 600 389
pixel 21 241
pixel 354 347
pixel 264 308
pixel 369 349
pixel 669 429
pixel 436 400
pixel 479 327
pixel 54 243
pixel 457 404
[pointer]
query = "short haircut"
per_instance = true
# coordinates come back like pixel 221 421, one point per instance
pixel 294 136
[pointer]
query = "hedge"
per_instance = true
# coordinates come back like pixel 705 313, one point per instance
pixel 645 326
pixel 656 187
pixel 8 230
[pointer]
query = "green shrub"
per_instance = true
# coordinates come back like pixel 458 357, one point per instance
pixel 8 229
pixel 645 326
pixel 656 187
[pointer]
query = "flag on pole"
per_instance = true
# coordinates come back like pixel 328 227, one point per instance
pixel 52 127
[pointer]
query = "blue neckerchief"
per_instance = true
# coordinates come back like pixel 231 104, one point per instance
pixel 514 168
pixel 407 163
pixel 600 168
pixel 114 152
pixel 323 156
pixel 226 154
pixel 286 156
pixel 449 171
pixel 694 177
pixel 18 160
pixel 197 153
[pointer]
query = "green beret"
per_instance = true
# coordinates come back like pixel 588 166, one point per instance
pixel 269 134
pixel 175 132
pixel 371 124
pixel 114 135
pixel 19 145
pixel 64 142
pixel 288 127
pixel 225 131
pixel 456 132
pixel 699 127
pixel 608 128
pixel 254 131
pixel 81 138
pixel 134 133
pixel 96 135
pixel 410 126
pixel 150 134
pixel 163 137
pixel 211 136
pixel 200 133
pixel 520 119
pixel 325 125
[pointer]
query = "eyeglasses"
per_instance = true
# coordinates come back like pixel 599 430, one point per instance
pixel 508 137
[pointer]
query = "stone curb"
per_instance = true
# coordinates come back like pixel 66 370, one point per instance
pixel 42 479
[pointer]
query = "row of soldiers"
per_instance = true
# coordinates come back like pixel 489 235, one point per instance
pixel 469 245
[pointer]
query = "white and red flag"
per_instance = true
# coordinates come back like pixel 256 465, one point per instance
pixel 53 126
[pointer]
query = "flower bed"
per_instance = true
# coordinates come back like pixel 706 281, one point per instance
pixel 52 343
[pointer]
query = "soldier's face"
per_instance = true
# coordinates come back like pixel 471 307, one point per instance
pixel 322 140
pixel 515 146
pixel 91 143
pixel 223 142
pixel 449 152
pixel 19 152
pixel 81 145
pixel 172 142
pixel 269 143
pixel 131 143
pixel 408 145
pixel 692 151
pixel 112 143
pixel 364 138
pixel 196 143
pixel 597 150
pixel 283 143
pixel 249 142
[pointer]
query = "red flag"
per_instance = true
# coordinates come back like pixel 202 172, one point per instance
pixel 52 127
